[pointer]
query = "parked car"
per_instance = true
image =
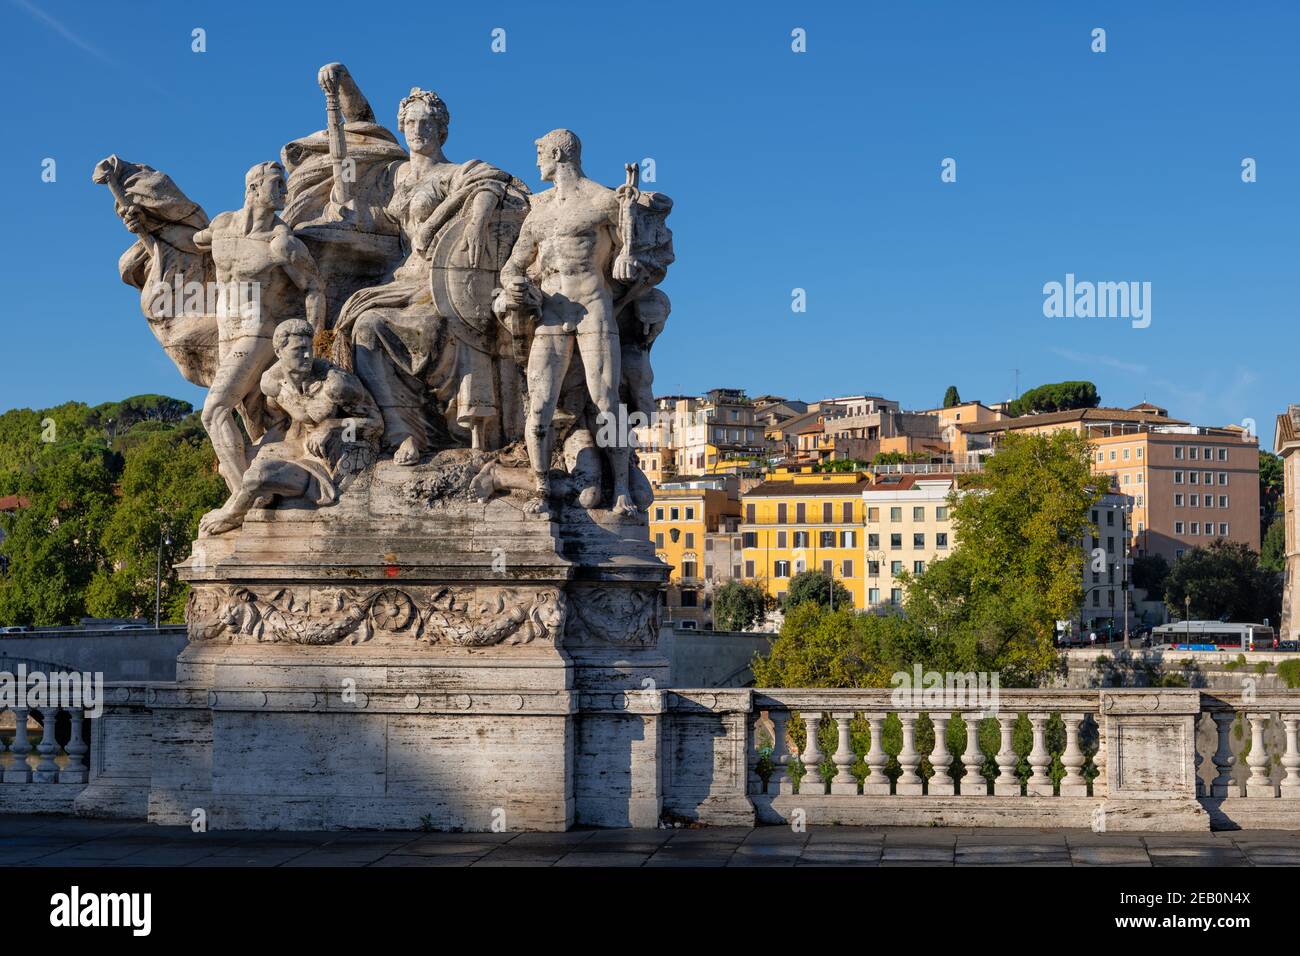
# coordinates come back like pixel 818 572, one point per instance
pixel 132 627
pixel 15 629
pixel 1288 645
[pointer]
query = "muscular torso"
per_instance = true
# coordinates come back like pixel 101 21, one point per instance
pixel 242 260
pixel 575 243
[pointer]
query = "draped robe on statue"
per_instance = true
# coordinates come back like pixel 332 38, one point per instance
pixel 376 155
pixel 402 347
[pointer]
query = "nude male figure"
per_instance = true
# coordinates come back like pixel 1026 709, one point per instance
pixel 265 275
pixel 565 250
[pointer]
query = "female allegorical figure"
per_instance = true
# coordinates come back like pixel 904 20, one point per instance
pixel 406 346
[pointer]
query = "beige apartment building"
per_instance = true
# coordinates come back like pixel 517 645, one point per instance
pixel 1189 483
pixel 696 436
pixel 906 525
pixel 856 426
pixel 965 413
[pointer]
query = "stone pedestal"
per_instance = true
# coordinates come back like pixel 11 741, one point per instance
pixel 409 657
pixel 1149 738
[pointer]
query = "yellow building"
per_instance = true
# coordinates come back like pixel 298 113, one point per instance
pixel 656 464
pixel 684 518
pixel 802 521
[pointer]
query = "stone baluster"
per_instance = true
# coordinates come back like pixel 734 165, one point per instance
pixel 1073 783
pixel 753 745
pixel 1224 759
pixel 812 781
pixel 844 781
pixel 780 781
pixel 47 771
pixel 941 784
pixel 1100 785
pixel 75 771
pixel 1290 786
pixel 1040 760
pixel 1007 783
pixel 18 770
pixel 974 784
pixel 909 781
pixel 876 782
pixel 1258 785
pixel 1197 760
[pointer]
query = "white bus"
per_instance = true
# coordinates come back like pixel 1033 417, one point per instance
pixel 1214 635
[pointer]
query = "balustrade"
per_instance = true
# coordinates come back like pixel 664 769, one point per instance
pixel 1063 765
pixel 55 763
pixel 1248 749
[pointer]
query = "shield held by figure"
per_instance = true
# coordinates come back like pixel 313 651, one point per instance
pixel 463 290
pixel 466 292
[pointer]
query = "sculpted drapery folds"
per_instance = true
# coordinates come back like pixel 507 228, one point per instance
pixel 163 260
pixel 372 152
pixel 429 358
pixel 450 309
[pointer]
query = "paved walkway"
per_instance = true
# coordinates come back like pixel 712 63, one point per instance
pixel 58 841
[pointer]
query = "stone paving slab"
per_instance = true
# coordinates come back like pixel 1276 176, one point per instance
pixel 56 841
pixel 1096 854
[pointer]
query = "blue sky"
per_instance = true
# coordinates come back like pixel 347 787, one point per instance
pixel 818 170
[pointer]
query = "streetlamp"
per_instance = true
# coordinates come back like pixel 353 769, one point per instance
pixel 878 559
pixel 1124 523
pixel 164 537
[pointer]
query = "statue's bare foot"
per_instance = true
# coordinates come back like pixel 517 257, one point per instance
pixel 539 503
pixel 218 522
pixel 407 452
pixel 623 506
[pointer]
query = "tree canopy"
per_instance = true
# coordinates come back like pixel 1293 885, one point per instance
pixel 818 647
pixel 1271 489
pixel 1272 551
pixel 738 606
pixel 815 586
pixel 898 457
pixel 1018 565
pixel 100 484
pixel 951 397
pixel 1224 580
pixel 1055 397
pixel 1150 571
